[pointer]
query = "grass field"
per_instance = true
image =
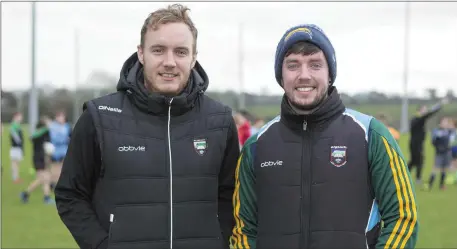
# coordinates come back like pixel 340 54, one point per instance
pixel 36 225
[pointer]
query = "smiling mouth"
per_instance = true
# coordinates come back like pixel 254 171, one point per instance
pixel 305 89
pixel 168 75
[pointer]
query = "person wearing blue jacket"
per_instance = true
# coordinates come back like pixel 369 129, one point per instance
pixel 59 133
pixel 442 139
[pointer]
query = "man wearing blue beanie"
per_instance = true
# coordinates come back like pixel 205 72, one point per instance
pixel 320 175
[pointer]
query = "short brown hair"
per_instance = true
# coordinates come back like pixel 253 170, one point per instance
pixel 303 48
pixel 174 13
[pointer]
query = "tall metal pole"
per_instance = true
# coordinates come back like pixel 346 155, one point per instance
pixel 33 94
pixel 404 114
pixel 241 100
pixel 76 75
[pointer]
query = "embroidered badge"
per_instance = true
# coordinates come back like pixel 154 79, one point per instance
pixel 200 146
pixel 338 155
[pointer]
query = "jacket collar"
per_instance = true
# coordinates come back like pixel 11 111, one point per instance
pixel 132 83
pixel 326 112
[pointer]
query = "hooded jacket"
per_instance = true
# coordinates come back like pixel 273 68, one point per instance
pixel 149 171
pixel 323 180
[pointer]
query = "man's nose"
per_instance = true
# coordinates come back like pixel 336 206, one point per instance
pixel 304 72
pixel 169 59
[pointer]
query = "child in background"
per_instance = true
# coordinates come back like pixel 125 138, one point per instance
pixel 244 128
pixel 43 177
pixel 59 133
pixel 442 138
pixel 17 146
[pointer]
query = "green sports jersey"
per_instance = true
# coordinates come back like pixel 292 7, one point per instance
pixel 393 189
pixel 17 137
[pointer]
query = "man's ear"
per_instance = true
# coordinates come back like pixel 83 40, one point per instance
pixel 140 54
pixel 194 60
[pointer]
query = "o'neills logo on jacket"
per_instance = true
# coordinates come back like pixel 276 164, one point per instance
pixel 107 108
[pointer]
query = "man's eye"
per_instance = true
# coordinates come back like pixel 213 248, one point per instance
pixel 292 66
pixel 182 53
pixel 316 65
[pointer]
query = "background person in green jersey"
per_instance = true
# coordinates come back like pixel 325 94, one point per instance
pixel 17 146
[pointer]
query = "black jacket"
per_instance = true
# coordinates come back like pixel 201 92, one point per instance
pixel 39 137
pixel 114 190
pixel 417 127
pixel 321 180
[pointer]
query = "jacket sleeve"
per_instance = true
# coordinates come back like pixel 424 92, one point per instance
pixel 433 110
pixel 244 200
pixel 40 132
pixel 393 189
pixel 76 183
pixel 227 182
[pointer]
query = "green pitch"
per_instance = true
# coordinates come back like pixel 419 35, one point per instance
pixel 36 225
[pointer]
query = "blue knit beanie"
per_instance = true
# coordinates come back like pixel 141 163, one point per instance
pixel 309 33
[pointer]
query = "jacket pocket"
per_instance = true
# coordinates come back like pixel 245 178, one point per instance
pixel 139 223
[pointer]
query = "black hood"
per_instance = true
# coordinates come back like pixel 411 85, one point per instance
pixel 329 109
pixel 131 81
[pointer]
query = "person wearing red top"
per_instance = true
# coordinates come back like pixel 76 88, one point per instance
pixel 244 128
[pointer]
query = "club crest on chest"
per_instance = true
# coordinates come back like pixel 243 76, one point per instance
pixel 200 146
pixel 338 155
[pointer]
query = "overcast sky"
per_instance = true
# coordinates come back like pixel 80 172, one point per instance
pixel 368 39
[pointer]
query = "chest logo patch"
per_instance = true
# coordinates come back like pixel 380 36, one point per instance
pixel 338 155
pixel 200 146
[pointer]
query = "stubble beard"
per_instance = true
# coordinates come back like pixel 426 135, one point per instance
pixel 308 108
